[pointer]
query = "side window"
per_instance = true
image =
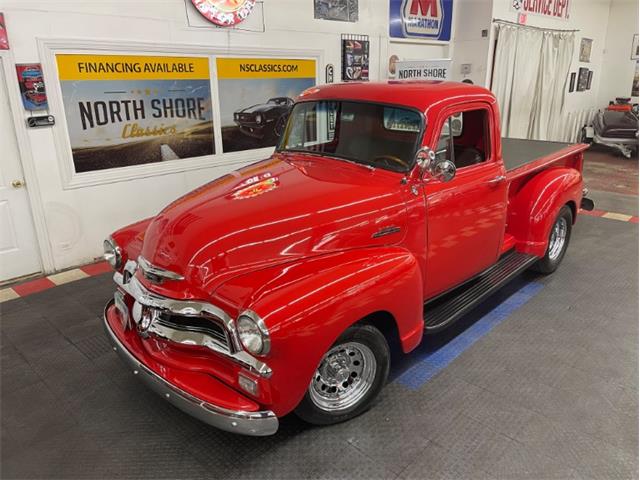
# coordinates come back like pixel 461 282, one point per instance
pixel 464 138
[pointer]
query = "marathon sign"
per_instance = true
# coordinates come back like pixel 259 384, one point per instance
pixel 428 19
pixel 558 9
pixel 424 70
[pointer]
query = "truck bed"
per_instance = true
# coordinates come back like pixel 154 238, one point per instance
pixel 518 152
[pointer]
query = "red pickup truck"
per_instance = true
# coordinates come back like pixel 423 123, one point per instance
pixel 386 212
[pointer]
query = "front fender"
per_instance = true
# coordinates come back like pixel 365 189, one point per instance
pixel 307 305
pixel 130 239
pixel 534 208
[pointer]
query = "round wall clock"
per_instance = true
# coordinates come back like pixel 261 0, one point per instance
pixel 224 13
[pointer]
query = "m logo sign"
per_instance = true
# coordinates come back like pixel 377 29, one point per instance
pixel 420 19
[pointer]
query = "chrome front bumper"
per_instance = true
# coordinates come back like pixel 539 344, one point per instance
pixel 245 423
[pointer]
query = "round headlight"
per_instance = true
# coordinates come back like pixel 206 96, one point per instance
pixel 258 118
pixel 112 253
pixel 253 333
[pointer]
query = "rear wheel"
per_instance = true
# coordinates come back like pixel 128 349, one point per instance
pixel 558 242
pixel 349 378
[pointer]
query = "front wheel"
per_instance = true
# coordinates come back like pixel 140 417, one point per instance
pixel 558 242
pixel 349 378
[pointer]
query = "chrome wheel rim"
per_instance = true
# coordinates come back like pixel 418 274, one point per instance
pixel 345 375
pixel 558 238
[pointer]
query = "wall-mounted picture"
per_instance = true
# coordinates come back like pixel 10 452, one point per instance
pixel 572 82
pixel 4 39
pixel 256 96
pixel 585 49
pixel 589 78
pixel 355 58
pixel 125 110
pixel 583 78
pixel 31 82
pixel 340 10
pixel 634 48
pixel 634 85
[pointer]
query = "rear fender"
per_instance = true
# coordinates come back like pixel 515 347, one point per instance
pixel 534 208
pixel 308 305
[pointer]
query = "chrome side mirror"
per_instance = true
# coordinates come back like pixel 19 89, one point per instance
pixel 424 158
pixel 444 170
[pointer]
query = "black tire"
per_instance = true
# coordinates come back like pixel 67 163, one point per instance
pixel 309 409
pixel 549 263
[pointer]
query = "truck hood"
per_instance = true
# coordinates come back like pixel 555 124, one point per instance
pixel 282 209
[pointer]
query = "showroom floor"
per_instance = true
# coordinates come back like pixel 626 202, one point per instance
pixel 541 382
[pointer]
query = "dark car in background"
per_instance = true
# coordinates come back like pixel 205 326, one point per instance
pixel 266 119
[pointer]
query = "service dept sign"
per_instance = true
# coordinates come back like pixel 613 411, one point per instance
pixel 423 69
pixel 429 19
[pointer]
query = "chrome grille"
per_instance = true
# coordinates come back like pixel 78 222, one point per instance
pixel 205 325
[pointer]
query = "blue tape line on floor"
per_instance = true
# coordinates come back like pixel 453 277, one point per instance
pixel 436 360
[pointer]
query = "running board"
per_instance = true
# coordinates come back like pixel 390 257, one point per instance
pixel 444 310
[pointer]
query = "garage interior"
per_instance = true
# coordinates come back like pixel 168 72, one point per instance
pixel 538 382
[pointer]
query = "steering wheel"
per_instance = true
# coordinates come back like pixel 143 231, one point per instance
pixel 391 158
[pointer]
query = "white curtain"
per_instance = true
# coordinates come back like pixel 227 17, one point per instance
pixel 529 80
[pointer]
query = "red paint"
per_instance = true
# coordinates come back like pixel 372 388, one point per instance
pixel 297 245
pixel 96 268
pixel 33 286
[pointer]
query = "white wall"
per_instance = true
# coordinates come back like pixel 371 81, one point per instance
pixel 468 45
pixel 618 69
pixel 77 219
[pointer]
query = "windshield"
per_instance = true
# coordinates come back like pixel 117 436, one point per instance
pixel 378 135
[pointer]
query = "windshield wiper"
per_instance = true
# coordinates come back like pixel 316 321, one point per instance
pixel 368 166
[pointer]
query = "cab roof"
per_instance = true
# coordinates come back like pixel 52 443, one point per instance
pixel 419 94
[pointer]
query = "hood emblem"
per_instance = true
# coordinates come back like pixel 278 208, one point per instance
pixel 156 274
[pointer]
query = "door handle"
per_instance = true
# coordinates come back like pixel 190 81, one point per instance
pixel 18 183
pixel 496 180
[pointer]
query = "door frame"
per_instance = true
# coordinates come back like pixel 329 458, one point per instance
pixel 25 157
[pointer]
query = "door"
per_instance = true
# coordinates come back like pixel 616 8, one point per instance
pixel 466 215
pixel 18 247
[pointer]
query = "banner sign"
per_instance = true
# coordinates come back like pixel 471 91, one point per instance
pixel 423 69
pixel 31 82
pixel 256 96
pixel 558 9
pixel 124 110
pixel 429 19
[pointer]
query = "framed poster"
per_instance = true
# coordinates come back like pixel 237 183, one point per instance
pixel 340 10
pixel 256 96
pixel 634 48
pixel 4 39
pixel 31 82
pixel 634 85
pixel 572 82
pixel 355 58
pixel 583 77
pixel 427 19
pixel 589 78
pixel 125 110
pixel 585 50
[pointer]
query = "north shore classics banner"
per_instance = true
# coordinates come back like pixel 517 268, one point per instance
pixel 124 110
pixel 256 96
